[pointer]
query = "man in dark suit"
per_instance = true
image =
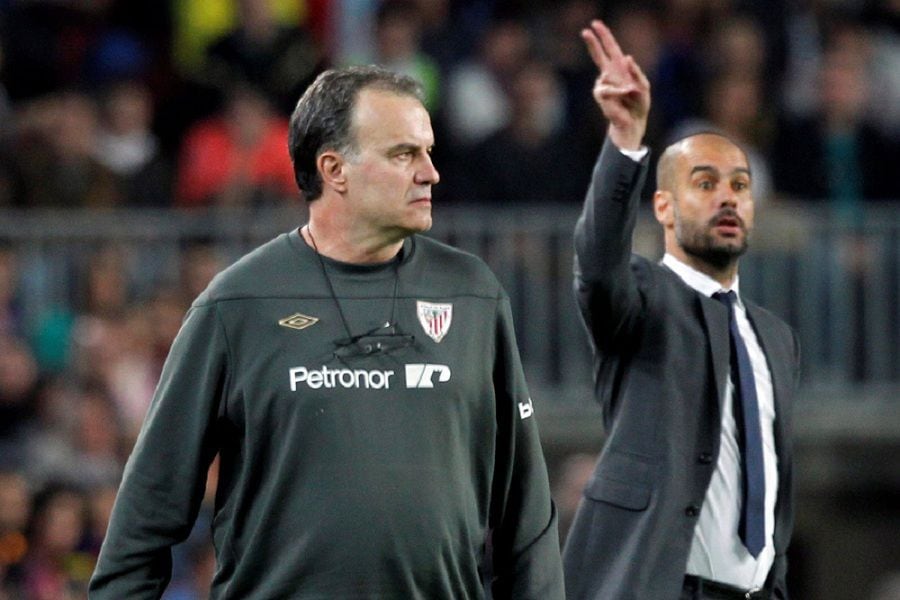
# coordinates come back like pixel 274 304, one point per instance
pixel 691 496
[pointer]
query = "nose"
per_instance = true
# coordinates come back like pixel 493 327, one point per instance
pixel 728 197
pixel 427 173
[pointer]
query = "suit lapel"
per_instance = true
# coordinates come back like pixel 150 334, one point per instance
pixel 715 317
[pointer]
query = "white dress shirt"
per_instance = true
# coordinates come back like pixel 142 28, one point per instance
pixel 717 551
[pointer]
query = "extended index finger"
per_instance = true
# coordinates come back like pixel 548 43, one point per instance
pixel 595 48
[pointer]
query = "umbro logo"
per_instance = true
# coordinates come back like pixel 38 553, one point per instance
pixel 298 321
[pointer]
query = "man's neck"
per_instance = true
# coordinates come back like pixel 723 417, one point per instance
pixel 340 245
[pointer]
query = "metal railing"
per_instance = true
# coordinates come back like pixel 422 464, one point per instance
pixel 838 285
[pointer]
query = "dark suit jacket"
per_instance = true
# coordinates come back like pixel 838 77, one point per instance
pixel 661 360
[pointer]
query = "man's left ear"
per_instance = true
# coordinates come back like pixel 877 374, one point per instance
pixel 663 207
pixel 330 165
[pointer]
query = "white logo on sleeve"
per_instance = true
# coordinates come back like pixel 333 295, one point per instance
pixel 422 375
pixel 526 409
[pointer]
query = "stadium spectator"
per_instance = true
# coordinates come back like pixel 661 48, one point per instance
pixel 398 47
pixel 106 289
pixel 131 367
pixel 19 386
pixel 122 352
pixel 884 25
pixel 96 440
pixel 128 147
pixel 56 566
pixel 100 500
pixel 678 77
pixel 854 158
pixel 806 26
pixel 79 442
pixel 278 58
pixel 200 262
pixel 6 113
pixel 536 136
pixel 48 44
pixel 166 310
pixel 15 513
pixel 56 164
pixel 11 317
pixel 476 102
pixel 562 48
pixel 448 33
pixel 236 158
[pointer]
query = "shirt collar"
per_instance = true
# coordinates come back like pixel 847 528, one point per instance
pixel 696 280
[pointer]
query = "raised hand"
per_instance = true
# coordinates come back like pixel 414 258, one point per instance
pixel 621 90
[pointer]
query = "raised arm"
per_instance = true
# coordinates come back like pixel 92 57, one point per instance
pixel 604 284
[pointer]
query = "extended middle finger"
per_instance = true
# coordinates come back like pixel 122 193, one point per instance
pixel 607 39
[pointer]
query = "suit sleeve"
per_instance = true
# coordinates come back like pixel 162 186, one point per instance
pixel 605 286
pixel 164 479
pixel 526 558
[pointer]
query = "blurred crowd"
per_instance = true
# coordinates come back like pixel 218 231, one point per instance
pixel 184 105
pixel 74 387
pixel 117 103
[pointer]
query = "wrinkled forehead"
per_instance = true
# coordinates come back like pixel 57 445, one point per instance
pixel 709 149
pixel 383 115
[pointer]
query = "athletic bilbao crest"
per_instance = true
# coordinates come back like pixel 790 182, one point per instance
pixel 435 318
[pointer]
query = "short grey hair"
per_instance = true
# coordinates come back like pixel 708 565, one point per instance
pixel 323 116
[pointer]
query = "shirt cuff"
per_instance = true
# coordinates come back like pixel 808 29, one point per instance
pixel 636 155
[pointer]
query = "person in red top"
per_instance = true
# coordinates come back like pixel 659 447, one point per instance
pixel 237 158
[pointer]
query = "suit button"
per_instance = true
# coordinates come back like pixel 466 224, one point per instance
pixel 705 458
pixel 692 511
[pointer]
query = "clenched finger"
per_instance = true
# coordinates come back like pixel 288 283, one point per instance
pixel 637 73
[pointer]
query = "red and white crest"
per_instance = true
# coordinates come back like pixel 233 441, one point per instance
pixel 435 318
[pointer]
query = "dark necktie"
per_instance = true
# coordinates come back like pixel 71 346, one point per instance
pixel 752 527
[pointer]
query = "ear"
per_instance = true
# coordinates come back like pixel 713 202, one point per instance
pixel 330 165
pixel 664 207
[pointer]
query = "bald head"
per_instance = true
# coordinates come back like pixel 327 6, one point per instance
pixel 675 153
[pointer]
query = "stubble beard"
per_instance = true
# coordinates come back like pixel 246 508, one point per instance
pixel 700 242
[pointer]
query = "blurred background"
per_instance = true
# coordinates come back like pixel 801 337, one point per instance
pixel 143 148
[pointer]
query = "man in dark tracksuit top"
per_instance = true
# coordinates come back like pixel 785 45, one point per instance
pixel 362 388
pixel 663 516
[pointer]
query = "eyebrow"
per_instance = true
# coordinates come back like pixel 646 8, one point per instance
pixel 715 171
pixel 407 147
pixel 403 147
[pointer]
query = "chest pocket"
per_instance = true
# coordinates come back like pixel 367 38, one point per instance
pixel 622 479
